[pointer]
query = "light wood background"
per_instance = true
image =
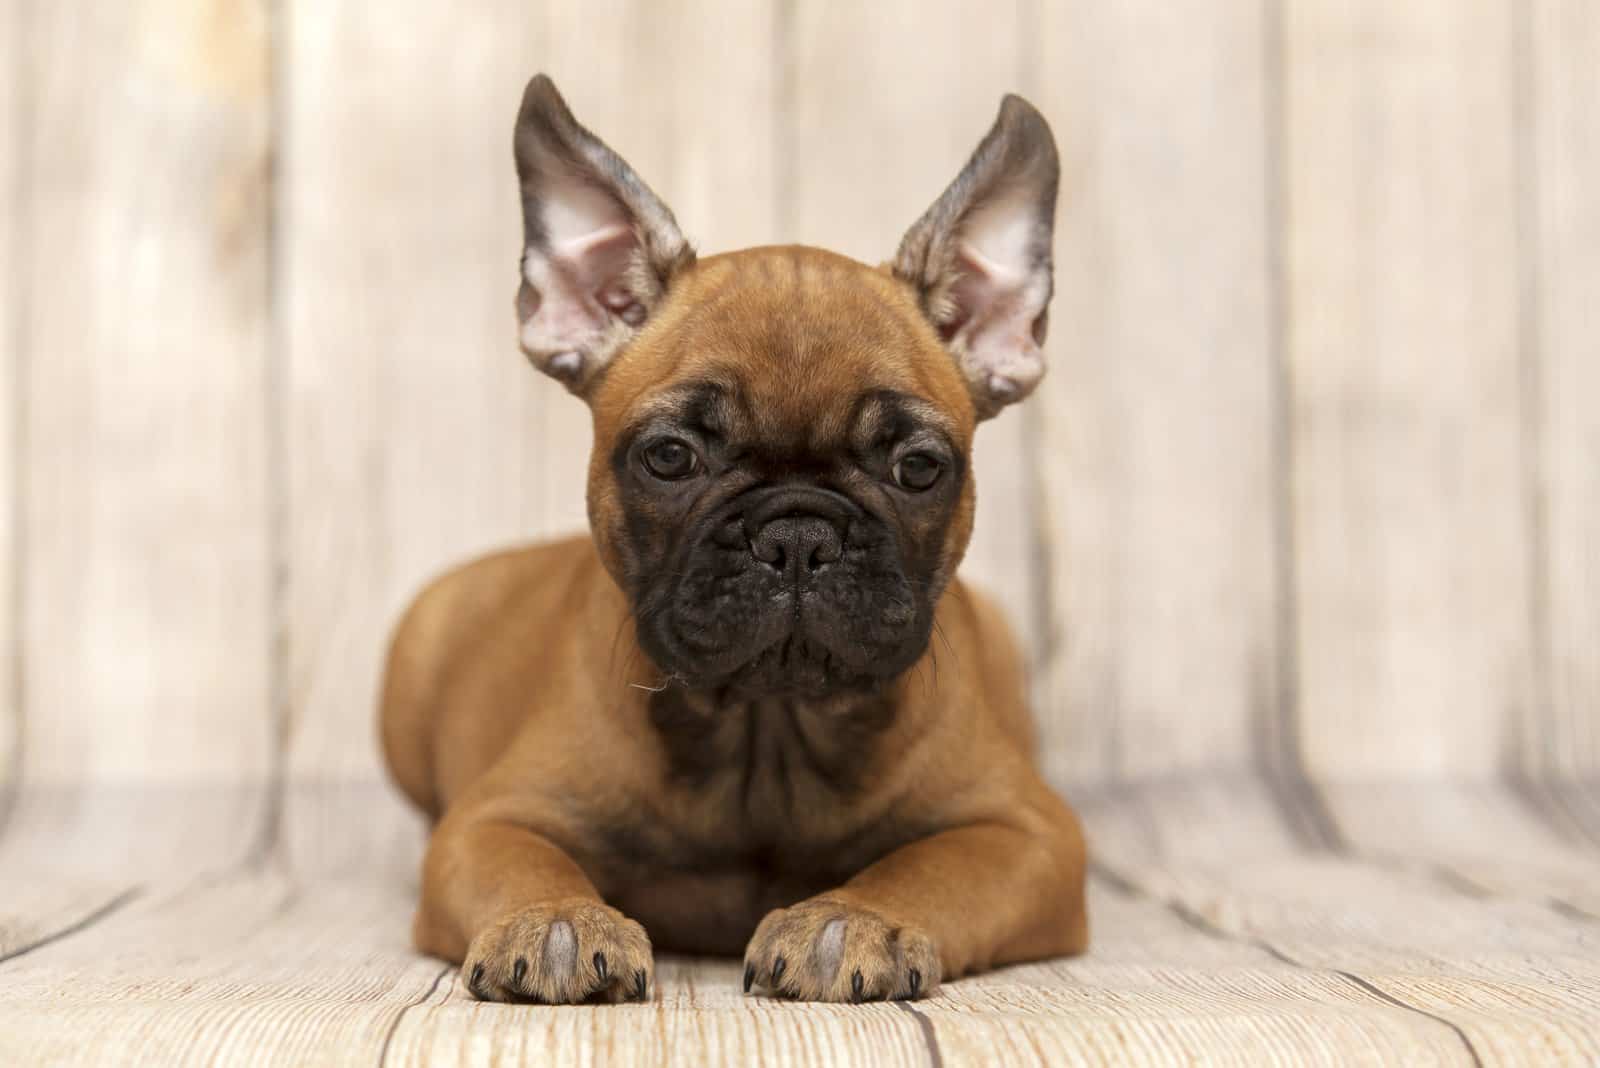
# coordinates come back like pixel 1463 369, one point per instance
pixel 1312 485
pixel 1302 529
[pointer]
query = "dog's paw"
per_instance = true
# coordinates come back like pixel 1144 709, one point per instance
pixel 826 950
pixel 561 953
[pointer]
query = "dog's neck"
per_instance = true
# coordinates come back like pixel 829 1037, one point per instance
pixel 830 740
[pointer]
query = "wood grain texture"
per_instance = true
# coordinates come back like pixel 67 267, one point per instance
pixel 143 511
pixel 889 100
pixel 1564 172
pixel 1160 989
pixel 697 1016
pixel 406 396
pixel 1157 460
pixel 418 434
pixel 1505 981
pixel 1410 535
pixel 13 77
pixel 250 971
pixel 1293 960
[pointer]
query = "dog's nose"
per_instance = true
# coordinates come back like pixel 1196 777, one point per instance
pixel 797 545
pixel 796 529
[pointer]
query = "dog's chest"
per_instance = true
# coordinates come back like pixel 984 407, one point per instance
pixel 763 804
pixel 769 785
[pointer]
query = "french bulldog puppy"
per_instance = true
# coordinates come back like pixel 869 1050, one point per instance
pixel 756 711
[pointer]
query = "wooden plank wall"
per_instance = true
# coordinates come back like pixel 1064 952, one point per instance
pixel 1157 445
pixel 140 240
pixel 406 414
pixel 1310 485
pixel 1404 352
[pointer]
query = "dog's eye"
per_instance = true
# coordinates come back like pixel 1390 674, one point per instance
pixel 670 459
pixel 917 472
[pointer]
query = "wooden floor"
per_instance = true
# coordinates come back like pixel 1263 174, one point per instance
pixel 1222 934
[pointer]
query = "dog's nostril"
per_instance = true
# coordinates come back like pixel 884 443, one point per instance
pixel 767 545
pixel 826 551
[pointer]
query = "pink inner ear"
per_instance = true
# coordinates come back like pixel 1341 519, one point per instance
pixel 599 262
pixel 589 234
pixel 581 283
pixel 996 307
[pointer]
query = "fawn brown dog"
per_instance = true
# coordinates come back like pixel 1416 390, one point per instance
pixel 755 711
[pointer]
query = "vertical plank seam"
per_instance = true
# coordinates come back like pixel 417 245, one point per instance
pixel 1277 729
pixel 1528 762
pixel 1040 644
pixel 17 296
pixel 270 834
pixel 1129 888
pixel 1525 738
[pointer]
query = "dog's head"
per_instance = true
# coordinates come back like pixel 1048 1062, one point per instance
pixel 780 478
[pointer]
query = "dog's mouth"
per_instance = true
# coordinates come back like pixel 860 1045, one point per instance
pixel 789 642
pixel 797 667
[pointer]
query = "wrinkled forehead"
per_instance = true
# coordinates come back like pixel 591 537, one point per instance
pixel 853 422
pixel 791 347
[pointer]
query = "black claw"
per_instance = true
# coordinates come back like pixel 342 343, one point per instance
pixel 600 966
pixel 916 982
pixel 778 967
pixel 519 972
pixel 749 976
pixel 475 982
pixel 856 985
pixel 638 986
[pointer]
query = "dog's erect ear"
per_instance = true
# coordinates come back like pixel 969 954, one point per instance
pixel 599 248
pixel 980 258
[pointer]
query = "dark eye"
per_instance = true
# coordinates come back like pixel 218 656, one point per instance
pixel 670 459
pixel 917 472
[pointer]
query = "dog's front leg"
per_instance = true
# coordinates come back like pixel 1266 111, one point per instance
pixel 957 901
pixel 523 919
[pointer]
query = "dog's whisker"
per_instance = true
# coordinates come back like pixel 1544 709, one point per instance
pixel 668 681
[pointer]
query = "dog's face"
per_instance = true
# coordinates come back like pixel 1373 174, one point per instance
pixel 780 478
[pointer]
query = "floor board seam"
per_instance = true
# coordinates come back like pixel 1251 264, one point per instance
pixel 394 1026
pixel 83 923
pixel 929 1037
pixel 1205 926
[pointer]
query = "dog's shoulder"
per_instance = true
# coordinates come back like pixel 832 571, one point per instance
pixel 489 582
pixel 455 633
